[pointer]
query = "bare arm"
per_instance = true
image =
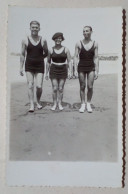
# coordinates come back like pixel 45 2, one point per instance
pixel 69 61
pixel 45 47
pixel 22 56
pixel 76 56
pixel 48 64
pixel 96 61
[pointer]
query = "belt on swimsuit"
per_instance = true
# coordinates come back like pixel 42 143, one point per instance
pixel 58 63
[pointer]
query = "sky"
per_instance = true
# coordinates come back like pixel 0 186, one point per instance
pixel 106 24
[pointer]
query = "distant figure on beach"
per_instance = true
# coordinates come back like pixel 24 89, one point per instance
pixel 58 62
pixel 33 51
pixel 86 66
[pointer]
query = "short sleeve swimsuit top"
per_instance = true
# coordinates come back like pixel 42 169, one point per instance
pixel 58 71
pixel 86 62
pixel 34 59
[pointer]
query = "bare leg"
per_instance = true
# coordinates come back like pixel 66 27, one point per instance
pixel 60 93
pixel 30 81
pixel 39 83
pixel 90 81
pixel 54 94
pixel 82 81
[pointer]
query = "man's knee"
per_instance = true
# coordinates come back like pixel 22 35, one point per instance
pixel 90 88
pixel 55 89
pixel 30 85
pixel 60 89
pixel 82 86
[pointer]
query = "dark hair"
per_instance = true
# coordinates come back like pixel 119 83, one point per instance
pixel 34 22
pixel 88 27
pixel 56 35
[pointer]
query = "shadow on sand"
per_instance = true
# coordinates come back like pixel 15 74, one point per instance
pixel 67 107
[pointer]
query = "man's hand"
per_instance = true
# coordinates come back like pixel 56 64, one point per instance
pixel 96 75
pixel 21 72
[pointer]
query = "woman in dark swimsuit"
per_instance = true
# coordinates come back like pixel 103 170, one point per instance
pixel 59 59
pixel 87 64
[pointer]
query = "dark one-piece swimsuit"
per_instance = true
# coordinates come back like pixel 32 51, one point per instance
pixel 86 62
pixel 34 59
pixel 58 71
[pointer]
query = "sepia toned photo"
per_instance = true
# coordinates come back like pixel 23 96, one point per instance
pixel 64 77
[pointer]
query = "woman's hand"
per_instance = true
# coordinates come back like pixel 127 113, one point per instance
pixel 47 77
pixel 96 75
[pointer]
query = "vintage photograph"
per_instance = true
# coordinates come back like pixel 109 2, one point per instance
pixel 64 77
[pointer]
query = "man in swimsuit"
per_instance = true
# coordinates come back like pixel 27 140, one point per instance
pixel 33 51
pixel 86 66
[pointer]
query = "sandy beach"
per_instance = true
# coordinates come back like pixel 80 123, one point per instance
pixel 67 135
